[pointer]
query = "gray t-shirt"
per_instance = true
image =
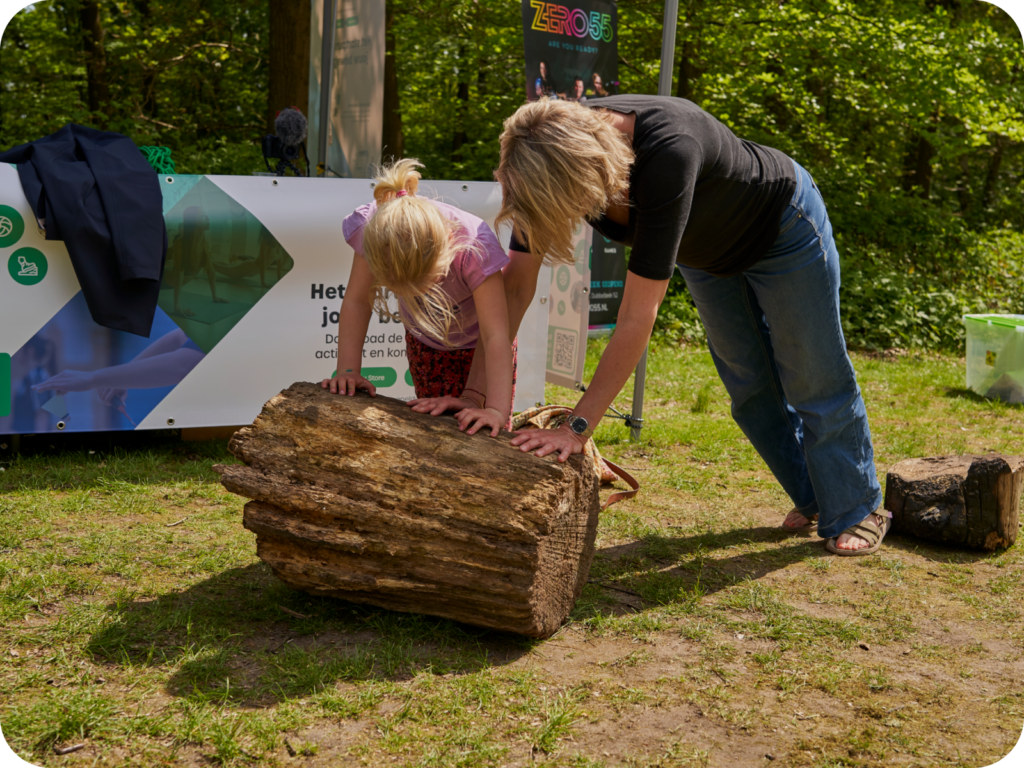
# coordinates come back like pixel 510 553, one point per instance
pixel 698 193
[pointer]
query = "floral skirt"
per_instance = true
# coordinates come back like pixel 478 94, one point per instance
pixel 443 372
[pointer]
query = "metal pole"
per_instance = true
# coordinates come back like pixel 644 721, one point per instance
pixel 637 415
pixel 326 71
pixel 668 56
pixel 668 47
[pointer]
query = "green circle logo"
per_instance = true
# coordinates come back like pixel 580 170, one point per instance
pixel 562 278
pixel 12 226
pixel 561 308
pixel 408 378
pixel 27 266
pixel 580 260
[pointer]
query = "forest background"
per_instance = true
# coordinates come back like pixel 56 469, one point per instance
pixel 908 113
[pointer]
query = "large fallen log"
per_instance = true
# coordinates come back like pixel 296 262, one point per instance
pixel 363 499
pixel 971 501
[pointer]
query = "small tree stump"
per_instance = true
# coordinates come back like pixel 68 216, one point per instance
pixel 364 499
pixel 972 501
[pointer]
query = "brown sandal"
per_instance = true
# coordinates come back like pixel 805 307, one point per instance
pixel 867 530
pixel 809 527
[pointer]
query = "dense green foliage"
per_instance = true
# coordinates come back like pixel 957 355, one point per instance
pixel 909 113
pixel 190 75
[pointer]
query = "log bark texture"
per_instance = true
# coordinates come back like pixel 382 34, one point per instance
pixel 969 501
pixel 363 499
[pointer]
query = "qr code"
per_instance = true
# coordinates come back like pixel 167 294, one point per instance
pixel 563 357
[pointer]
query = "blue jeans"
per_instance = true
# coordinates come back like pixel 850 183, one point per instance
pixel 776 339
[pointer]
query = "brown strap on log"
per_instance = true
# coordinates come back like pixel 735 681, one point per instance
pixel 552 417
pixel 631 481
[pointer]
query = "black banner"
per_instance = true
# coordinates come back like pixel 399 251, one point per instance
pixel 571 50
pixel 607 280
pixel 572 54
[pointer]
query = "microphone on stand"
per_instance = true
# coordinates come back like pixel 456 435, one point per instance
pixel 290 125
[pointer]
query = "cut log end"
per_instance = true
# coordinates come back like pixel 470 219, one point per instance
pixel 971 501
pixel 363 499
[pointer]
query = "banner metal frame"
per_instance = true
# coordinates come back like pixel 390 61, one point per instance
pixel 326 76
pixel 668 50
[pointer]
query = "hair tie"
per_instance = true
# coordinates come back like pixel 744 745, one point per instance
pixel 401 193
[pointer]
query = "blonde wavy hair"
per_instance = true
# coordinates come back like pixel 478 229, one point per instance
pixel 410 245
pixel 560 162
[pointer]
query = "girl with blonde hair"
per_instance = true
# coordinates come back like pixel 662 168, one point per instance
pixel 444 267
pixel 747 228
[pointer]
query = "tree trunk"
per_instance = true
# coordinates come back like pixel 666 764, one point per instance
pixel 363 499
pixel 963 188
pixel 688 73
pixel 289 58
pixel 960 500
pixel 993 170
pixel 459 138
pixel 95 58
pixel 394 140
pixel 918 167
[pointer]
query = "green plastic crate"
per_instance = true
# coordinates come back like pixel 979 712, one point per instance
pixel 995 356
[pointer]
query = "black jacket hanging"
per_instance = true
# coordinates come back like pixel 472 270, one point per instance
pixel 95 191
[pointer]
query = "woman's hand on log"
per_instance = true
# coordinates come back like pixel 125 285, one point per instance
pixel 562 441
pixel 347 383
pixel 435 406
pixel 472 419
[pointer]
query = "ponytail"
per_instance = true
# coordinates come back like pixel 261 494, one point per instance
pixel 394 178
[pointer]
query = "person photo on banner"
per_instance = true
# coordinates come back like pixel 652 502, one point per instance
pixel 578 90
pixel 597 86
pixel 748 229
pixel 163 363
pixel 187 255
pixel 544 85
pixel 444 265
pixel 270 254
pixel 32 365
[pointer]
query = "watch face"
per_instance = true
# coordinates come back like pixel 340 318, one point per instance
pixel 578 424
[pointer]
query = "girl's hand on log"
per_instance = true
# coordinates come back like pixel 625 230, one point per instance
pixel 562 441
pixel 435 406
pixel 472 419
pixel 347 383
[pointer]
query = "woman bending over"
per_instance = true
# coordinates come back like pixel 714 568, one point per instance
pixel 748 229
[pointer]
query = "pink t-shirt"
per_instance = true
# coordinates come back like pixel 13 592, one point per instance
pixel 468 269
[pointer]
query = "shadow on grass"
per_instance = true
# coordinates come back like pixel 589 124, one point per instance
pixel 661 570
pixel 939 553
pixel 958 393
pixel 238 636
pixel 90 459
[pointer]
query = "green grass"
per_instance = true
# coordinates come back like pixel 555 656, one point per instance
pixel 135 617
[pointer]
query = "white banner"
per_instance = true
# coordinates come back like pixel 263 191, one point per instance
pixel 357 87
pixel 279 265
pixel 569 314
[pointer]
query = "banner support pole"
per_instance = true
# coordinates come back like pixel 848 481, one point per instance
pixel 668 51
pixel 326 73
pixel 668 47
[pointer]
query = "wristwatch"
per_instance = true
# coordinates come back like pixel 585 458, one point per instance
pixel 579 426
